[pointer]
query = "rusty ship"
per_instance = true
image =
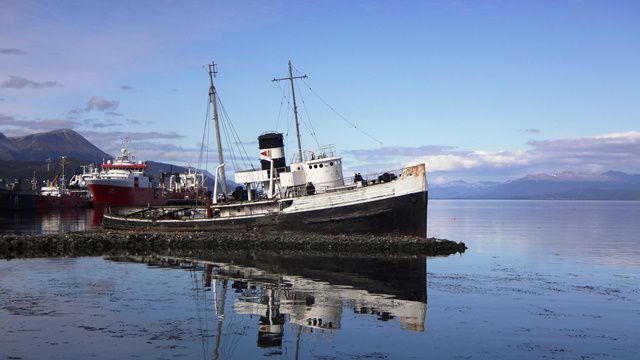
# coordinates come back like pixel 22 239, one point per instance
pixel 308 194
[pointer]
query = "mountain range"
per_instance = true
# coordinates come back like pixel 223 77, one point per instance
pixel 610 185
pixel 21 156
pixel 52 144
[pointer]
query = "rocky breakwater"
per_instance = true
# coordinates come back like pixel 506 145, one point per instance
pixel 101 242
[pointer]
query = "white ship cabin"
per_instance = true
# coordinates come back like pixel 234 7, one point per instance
pixel 80 180
pixel 318 171
pixel 189 181
pixel 125 169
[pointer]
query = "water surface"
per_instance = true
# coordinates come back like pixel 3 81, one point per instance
pixel 541 279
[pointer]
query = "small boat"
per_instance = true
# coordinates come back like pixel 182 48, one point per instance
pixel 309 194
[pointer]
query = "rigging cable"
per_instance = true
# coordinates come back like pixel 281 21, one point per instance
pixel 340 115
pixel 204 145
pixel 279 112
pixel 229 147
pixel 309 127
pixel 290 117
pixel 236 138
pixel 291 120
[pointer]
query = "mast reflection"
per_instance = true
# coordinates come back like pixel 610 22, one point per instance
pixel 311 293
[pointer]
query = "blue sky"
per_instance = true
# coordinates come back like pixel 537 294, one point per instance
pixel 480 90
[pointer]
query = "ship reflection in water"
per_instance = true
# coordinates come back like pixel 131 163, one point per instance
pixel 51 221
pixel 310 293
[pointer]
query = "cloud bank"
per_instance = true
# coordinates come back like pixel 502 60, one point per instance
pixel 34 125
pixel 614 151
pixel 18 82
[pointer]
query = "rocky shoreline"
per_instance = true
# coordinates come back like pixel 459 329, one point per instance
pixel 99 242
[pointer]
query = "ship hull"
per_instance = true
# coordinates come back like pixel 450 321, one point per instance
pixel 25 201
pixel 111 195
pixel 404 215
pixel 12 200
pixel 397 207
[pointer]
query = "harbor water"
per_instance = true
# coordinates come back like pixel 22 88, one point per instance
pixel 541 279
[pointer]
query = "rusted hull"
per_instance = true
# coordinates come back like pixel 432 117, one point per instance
pixel 404 215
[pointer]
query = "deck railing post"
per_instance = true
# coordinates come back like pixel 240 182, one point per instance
pixel 215 184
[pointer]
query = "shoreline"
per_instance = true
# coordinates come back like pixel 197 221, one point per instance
pixel 98 242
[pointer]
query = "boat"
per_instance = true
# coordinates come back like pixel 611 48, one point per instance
pixel 57 195
pixel 124 182
pixel 308 194
pixel 14 197
pixel 54 195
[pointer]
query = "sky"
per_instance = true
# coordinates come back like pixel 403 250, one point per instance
pixel 479 90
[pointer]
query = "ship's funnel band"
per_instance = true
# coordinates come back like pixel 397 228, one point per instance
pixel 272 148
pixel 274 153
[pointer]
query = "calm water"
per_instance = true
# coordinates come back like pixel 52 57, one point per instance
pixel 542 279
pixel 49 221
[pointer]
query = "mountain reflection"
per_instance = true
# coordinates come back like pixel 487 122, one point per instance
pixel 313 294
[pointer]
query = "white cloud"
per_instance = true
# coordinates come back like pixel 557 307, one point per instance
pixel 12 126
pixel 613 151
pixel 102 104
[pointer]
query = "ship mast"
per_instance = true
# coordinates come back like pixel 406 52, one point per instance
pixel 214 104
pixel 48 172
pixel 295 107
pixel 63 162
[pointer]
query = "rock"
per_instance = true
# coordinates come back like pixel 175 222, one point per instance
pixel 95 243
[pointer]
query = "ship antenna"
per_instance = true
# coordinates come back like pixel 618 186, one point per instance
pixel 34 182
pixel 63 162
pixel 295 107
pixel 48 171
pixel 214 103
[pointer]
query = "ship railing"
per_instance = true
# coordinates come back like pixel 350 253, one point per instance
pixel 321 152
pixel 349 183
pixel 157 213
pixel 373 178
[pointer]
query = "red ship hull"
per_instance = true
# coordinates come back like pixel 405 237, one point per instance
pixel 108 195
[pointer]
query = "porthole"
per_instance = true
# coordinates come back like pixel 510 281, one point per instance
pixel 331 163
pixel 299 168
pixel 320 165
pixel 315 166
pixel 310 167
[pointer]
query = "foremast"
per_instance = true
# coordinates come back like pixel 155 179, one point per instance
pixel 214 104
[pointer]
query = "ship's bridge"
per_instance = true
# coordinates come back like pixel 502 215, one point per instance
pixel 321 167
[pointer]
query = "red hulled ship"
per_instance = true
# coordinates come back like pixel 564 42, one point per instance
pixel 124 182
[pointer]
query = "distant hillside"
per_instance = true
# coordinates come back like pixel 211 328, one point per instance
pixel 8 150
pixel 52 144
pixel 24 170
pixel 610 185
